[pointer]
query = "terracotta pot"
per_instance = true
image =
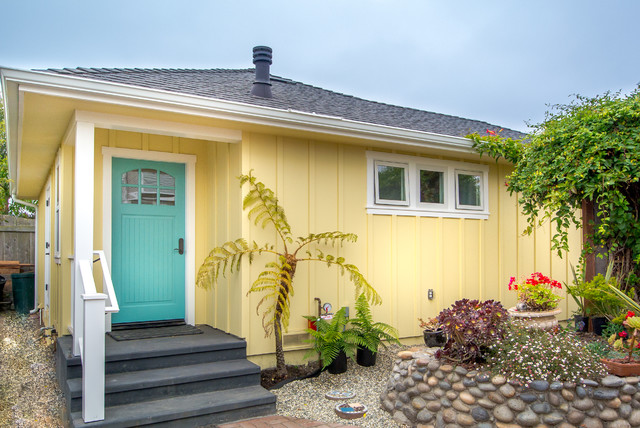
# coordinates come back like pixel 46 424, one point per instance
pixel 545 320
pixel 622 369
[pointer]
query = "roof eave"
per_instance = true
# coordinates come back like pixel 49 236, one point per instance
pixel 134 96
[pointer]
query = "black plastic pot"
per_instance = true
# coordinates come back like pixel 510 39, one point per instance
pixel 434 339
pixel 3 281
pixel 365 357
pixel 598 324
pixel 581 323
pixel 339 364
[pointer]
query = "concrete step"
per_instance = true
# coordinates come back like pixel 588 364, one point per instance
pixel 147 354
pixel 188 411
pixel 147 385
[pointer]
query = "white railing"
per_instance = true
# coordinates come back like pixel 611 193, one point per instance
pixel 93 309
pixel 111 305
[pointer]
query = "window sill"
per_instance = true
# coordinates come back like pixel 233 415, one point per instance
pixel 405 211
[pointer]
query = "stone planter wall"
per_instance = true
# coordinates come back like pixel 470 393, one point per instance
pixel 424 392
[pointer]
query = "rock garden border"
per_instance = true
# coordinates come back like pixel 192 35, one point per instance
pixel 426 392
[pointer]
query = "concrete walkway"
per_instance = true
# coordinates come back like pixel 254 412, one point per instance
pixel 277 421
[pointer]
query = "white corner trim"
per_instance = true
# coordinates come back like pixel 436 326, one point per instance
pixel 108 153
pixel 152 126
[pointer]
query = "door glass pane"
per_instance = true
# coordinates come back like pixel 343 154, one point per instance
pixel 431 187
pixel 129 195
pixel 167 180
pixel 130 177
pixel 469 190
pixel 391 183
pixel 167 197
pixel 149 196
pixel 150 177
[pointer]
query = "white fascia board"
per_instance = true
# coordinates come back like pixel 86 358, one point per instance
pixel 152 126
pixel 11 119
pixel 120 94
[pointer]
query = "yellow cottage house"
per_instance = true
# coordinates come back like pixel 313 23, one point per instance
pixel 135 172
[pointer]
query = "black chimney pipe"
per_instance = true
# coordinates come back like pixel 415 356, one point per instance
pixel 262 60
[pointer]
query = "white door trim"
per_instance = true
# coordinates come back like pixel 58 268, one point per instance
pixel 47 255
pixel 189 161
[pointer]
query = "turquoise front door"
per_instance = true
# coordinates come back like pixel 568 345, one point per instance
pixel 147 256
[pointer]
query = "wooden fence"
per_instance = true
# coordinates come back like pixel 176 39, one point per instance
pixel 17 239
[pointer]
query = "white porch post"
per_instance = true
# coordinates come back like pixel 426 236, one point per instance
pixel 82 218
pixel 93 358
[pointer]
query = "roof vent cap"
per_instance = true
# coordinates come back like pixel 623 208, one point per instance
pixel 262 59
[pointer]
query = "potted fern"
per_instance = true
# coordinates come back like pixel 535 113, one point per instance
pixel 332 342
pixel 370 334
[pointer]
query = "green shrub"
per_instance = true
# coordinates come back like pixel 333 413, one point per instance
pixel 599 349
pixel 371 334
pixel 528 354
pixel 602 302
pixel 471 326
pixel 331 337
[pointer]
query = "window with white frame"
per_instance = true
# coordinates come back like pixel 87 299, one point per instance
pixel 420 186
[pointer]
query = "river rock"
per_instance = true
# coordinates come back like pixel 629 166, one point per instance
pixel 503 414
pixel 527 419
pixel 507 390
pixel 479 414
pixel 613 382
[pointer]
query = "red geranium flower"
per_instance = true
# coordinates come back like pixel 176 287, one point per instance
pixel 623 334
pixel 630 314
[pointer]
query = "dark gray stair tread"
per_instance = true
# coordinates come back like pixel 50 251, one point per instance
pixel 212 339
pixel 142 379
pixel 190 406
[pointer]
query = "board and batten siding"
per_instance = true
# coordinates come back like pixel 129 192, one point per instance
pixel 323 186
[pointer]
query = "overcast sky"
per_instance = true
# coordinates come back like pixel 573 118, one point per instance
pixel 497 61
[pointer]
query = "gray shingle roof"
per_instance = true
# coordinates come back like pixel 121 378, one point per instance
pixel 235 85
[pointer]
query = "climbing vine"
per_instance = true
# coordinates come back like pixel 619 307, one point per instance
pixel 588 150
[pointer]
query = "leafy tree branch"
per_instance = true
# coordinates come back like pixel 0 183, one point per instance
pixel 588 150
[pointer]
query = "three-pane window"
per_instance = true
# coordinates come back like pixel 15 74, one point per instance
pixel 413 185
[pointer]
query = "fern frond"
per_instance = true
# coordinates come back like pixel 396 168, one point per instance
pixel 327 238
pixel 263 207
pixel 229 257
pixel 275 280
pixel 355 276
pixel 371 334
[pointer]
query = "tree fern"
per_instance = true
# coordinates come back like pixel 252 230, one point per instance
pixel 276 281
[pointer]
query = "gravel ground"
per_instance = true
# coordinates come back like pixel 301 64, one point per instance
pixel 30 396
pixel 306 398
pixel 29 392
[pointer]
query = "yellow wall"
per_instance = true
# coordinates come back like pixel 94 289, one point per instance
pixel 60 292
pixel 323 187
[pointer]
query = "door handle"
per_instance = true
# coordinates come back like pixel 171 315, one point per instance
pixel 180 248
